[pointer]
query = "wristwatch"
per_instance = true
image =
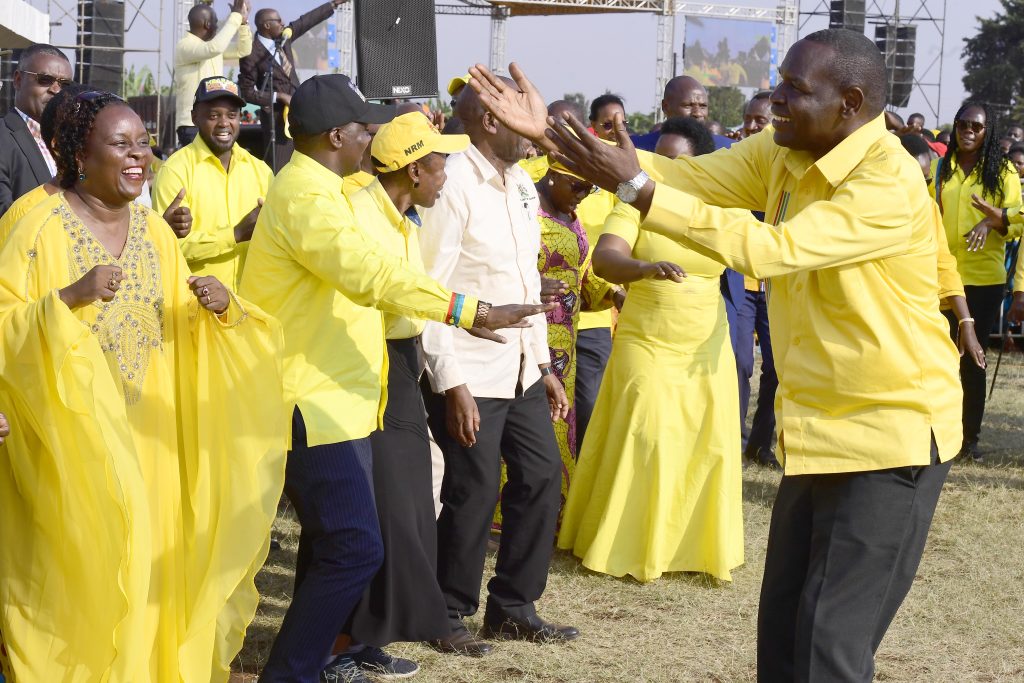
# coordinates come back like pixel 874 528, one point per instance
pixel 628 191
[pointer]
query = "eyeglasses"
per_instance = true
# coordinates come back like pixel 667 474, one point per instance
pixel 608 125
pixel 46 80
pixel 964 125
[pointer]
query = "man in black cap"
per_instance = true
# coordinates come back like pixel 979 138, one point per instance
pixel 219 181
pixel 313 268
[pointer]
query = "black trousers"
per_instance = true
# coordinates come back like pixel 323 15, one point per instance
pixel 593 347
pixel 983 302
pixel 339 551
pixel 843 550
pixel 518 429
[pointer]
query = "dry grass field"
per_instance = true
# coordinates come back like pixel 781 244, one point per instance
pixel 963 621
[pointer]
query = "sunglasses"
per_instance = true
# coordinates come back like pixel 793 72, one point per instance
pixel 92 95
pixel 46 80
pixel 608 125
pixel 975 126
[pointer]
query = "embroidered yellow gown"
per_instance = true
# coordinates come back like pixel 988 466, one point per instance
pixel 658 486
pixel 144 465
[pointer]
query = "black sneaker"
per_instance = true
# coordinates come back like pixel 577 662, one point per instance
pixel 343 670
pixel 375 661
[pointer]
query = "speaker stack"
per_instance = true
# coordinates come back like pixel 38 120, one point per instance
pixel 898 44
pixel 848 14
pixel 100 62
pixel 396 48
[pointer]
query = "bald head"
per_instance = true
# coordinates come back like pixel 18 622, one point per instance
pixel 499 144
pixel 559 107
pixel 202 20
pixel 685 96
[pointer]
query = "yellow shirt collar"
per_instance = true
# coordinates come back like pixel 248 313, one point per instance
pixel 203 152
pixel 383 201
pixel 843 158
pixel 312 167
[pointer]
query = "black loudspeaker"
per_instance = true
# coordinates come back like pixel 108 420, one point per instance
pixel 847 14
pixel 396 48
pixel 100 60
pixel 898 45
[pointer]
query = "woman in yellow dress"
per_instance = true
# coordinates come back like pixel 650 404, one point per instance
pixel 658 487
pixel 146 453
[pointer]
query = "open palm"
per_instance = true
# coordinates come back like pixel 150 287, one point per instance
pixel 521 108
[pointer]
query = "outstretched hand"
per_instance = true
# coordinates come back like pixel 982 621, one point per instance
pixel 522 111
pixel 602 164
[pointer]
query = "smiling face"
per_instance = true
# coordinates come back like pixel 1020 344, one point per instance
pixel 971 130
pixel 604 124
pixel 218 123
pixel 116 156
pixel 354 139
pixel 756 116
pixel 431 176
pixel 807 104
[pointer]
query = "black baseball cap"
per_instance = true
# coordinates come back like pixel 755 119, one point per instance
pixel 331 101
pixel 217 87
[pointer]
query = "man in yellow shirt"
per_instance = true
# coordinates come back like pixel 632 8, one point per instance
pixel 319 274
pixel 224 184
pixel 200 54
pixel 869 398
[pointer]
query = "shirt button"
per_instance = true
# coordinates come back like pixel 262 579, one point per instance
pixel 799 286
pixel 796 341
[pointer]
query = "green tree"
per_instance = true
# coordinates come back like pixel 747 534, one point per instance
pixel 139 82
pixel 578 100
pixel 725 105
pixel 639 122
pixel 994 60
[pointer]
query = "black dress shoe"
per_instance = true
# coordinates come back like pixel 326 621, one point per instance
pixel 462 642
pixel 535 629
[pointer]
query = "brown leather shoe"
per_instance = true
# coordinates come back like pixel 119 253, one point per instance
pixel 536 630
pixel 462 642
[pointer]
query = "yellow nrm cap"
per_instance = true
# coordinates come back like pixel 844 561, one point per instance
pixel 410 137
pixel 456 83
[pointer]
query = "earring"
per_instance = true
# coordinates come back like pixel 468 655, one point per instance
pixel 416 183
pixel 81 175
pixel 551 183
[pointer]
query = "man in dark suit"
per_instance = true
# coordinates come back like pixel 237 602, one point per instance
pixel 272 51
pixel 25 162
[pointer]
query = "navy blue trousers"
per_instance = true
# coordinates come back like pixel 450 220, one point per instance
pixel 340 550
pixel 593 348
pixel 752 316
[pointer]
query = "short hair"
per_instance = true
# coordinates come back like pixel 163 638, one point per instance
pixel 199 14
pixel 48 119
pixel 261 15
pixel 691 129
pixel 915 144
pixel 916 114
pixel 603 101
pixel 1013 124
pixel 1016 148
pixel 73 123
pixel 575 108
pixel 856 62
pixel 32 51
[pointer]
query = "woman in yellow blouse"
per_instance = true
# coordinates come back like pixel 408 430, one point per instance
pixel 139 482
pixel 974 164
pixel 660 489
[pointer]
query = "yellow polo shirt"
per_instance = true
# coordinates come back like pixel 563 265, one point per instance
pixel 867 371
pixel 1017 219
pixel 592 212
pixel 378 217
pixel 218 200
pixel 21 206
pixel 986 266
pixel 357 181
pixel 317 272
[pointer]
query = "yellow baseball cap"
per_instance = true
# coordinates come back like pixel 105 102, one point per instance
pixel 456 83
pixel 410 137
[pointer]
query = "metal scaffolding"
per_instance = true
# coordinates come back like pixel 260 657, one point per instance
pixel 784 17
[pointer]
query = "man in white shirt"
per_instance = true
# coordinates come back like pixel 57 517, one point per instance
pixel 201 53
pixel 489 401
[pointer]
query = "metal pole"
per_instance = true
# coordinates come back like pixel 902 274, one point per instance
pixel 664 63
pixel 942 51
pixel 499 32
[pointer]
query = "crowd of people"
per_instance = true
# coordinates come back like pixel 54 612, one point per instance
pixel 522 326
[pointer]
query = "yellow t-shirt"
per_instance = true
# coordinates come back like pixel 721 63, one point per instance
pixel 218 200
pixel 867 371
pixel 986 266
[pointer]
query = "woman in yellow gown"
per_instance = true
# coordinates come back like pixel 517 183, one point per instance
pixel 658 486
pixel 146 453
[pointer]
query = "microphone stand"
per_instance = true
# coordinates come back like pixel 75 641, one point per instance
pixel 267 88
